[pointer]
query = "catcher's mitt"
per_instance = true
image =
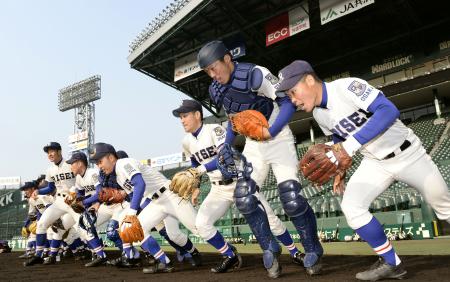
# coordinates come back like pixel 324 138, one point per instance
pixel 32 227
pixel 322 162
pixel 250 123
pixel 78 206
pixel 71 198
pixel 112 195
pixel 185 182
pixel 25 232
pixel 131 229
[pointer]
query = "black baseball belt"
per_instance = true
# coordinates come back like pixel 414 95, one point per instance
pixel 403 147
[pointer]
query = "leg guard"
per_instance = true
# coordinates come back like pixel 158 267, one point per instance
pixel 302 216
pixel 249 206
pixel 112 233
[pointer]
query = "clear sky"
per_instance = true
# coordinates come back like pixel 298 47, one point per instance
pixel 46 45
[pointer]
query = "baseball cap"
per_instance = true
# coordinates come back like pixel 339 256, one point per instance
pixel 121 154
pixel 52 145
pixel 211 52
pixel 77 156
pixel 99 150
pixel 27 185
pixel 290 75
pixel 188 106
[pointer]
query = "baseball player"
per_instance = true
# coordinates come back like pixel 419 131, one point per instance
pixel 142 181
pixel 60 178
pixel 238 87
pixel 360 118
pixel 31 217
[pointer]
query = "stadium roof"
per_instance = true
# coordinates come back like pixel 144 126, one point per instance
pixel 352 43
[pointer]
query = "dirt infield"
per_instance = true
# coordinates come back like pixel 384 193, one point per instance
pixel 336 268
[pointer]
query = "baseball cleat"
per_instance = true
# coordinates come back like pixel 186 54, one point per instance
pixel 312 263
pixel 272 264
pixel 34 260
pixel 150 259
pixel 382 270
pixel 26 256
pixel 234 262
pixel 196 258
pixel 159 267
pixel 297 258
pixel 97 262
pixel 49 260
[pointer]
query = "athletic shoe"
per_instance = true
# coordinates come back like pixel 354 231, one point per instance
pixel 297 258
pixel 382 270
pixel 234 262
pixel 49 260
pixel 274 271
pixel 196 258
pixel 34 260
pixel 96 262
pixel 159 267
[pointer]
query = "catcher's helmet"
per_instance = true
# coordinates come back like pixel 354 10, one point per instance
pixel 211 52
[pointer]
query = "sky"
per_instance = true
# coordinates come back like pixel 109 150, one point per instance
pixel 46 45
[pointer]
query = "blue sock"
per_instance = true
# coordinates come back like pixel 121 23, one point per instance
pixel 130 251
pixel 97 246
pixel 75 245
pixel 40 243
pixel 373 234
pixel 218 242
pixel 150 245
pixel 177 247
pixel 286 240
pixel 189 247
pixel 54 247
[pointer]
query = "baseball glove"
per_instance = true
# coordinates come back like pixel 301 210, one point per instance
pixel 185 182
pixel 25 232
pixel 78 206
pixel 322 162
pixel 32 227
pixel 250 123
pixel 111 195
pixel 131 229
pixel 71 198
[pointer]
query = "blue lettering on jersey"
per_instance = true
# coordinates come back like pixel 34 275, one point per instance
pixel 348 124
pixel 89 188
pixel 206 153
pixel 40 206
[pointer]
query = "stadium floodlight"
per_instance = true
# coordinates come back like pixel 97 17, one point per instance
pixel 79 93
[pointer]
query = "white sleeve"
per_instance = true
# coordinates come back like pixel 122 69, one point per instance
pixel 359 92
pixel 47 175
pixel 186 151
pixel 322 124
pixel 268 83
pixel 127 168
pixel 218 135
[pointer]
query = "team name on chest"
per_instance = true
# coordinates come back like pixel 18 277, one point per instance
pixel 62 176
pixel 89 188
pixel 350 123
pixel 40 206
pixel 205 153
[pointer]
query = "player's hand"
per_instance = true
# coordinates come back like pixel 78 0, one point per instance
pixel 195 196
pixel 266 133
pixel 339 183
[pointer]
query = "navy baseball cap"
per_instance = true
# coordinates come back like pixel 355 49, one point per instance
pixel 290 75
pixel 211 52
pixel 52 145
pixel 99 150
pixel 121 154
pixel 77 156
pixel 27 185
pixel 188 106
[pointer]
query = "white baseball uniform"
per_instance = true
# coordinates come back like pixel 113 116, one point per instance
pixel 164 203
pixel 204 149
pixel 345 114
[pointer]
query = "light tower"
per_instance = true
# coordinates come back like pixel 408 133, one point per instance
pixel 81 96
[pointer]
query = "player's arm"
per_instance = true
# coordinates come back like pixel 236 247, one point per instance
pixel 264 82
pixel 384 115
pixel 49 189
pixel 93 198
pixel 138 192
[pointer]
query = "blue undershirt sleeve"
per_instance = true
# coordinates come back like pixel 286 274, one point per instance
pixel 287 109
pixel 384 115
pixel 47 190
pixel 194 162
pixel 138 192
pixel 231 135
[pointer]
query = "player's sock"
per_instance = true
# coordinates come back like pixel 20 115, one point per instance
pixel 96 245
pixel 30 246
pixel 218 242
pixel 189 247
pixel 75 245
pixel 54 247
pixel 130 251
pixel 151 245
pixel 286 240
pixel 373 234
pixel 177 247
pixel 40 243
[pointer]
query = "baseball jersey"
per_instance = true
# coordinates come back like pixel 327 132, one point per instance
pixel 61 175
pixel 126 168
pixel 39 204
pixel 204 147
pixel 346 113
pixel 87 182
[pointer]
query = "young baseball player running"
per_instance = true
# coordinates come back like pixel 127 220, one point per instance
pixel 239 87
pixel 360 118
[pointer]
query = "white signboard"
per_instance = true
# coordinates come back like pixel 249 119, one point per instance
pixel 78 137
pixel 12 180
pixel 334 9
pixel 78 146
pixel 166 160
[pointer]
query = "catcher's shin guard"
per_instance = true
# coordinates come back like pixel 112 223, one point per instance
pixel 252 210
pixel 112 233
pixel 302 216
